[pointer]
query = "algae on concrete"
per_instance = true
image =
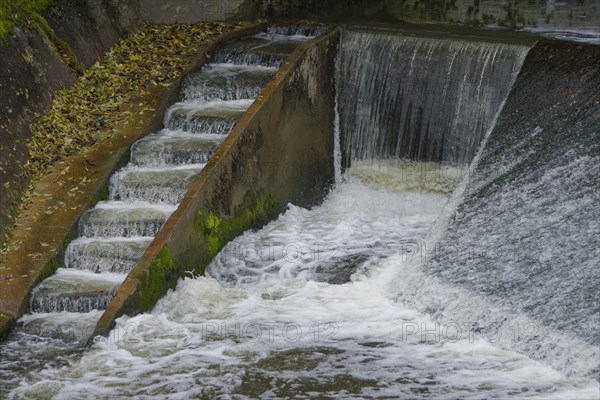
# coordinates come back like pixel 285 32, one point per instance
pixel 30 14
pixel 218 231
pixel 161 275
pixel 164 272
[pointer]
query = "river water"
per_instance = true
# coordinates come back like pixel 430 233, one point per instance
pixel 307 308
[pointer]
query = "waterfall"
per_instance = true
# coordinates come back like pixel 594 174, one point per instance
pixel 517 253
pixel 337 145
pixel 420 98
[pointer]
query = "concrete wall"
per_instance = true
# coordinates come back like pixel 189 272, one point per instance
pixel 91 27
pixel 30 71
pixel 185 11
pixel 525 235
pixel 573 14
pixel 280 152
pixel 35 63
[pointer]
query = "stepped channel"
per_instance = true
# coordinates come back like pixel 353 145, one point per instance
pixel 115 233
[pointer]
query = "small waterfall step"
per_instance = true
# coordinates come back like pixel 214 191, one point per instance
pixel 216 117
pixel 249 52
pixel 154 185
pixel 114 218
pixel 232 109
pixel 75 291
pixel 181 122
pixel 283 45
pixel 66 326
pixel 266 49
pixel 115 254
pixel 174 148
pixel 226 82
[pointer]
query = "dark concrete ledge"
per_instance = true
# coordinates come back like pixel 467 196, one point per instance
pixel 71 187
pixel 280 152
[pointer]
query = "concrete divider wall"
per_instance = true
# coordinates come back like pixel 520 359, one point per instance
pixel 280 152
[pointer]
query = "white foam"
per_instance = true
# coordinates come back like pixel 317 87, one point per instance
pixel 297 336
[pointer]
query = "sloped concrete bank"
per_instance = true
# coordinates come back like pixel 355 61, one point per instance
pixel 47 50
pixel 280 152
pixel 72 186
pixel 34 67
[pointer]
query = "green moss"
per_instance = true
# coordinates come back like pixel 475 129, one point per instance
pixel 30 14
pixel 35 21
pixel 20 12
pixel 164 271
pixel 39 5
pixel 101 195
pixel 57 261
pixel 160 277
pixel 218 231
pixel 6 22
pixel 211 224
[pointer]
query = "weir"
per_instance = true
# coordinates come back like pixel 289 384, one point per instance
pixel 529 215
pixel 420 98
pixel 233 182
pixel 454 257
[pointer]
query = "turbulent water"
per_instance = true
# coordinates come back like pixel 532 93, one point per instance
pixel 383 291
pixel 304 307
pixel 420 98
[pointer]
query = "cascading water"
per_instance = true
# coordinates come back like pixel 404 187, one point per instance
pixel 421 98
pixel 520 252
pixel 304 308
pixel 268 49
pixel 142 195
pixel 332 302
